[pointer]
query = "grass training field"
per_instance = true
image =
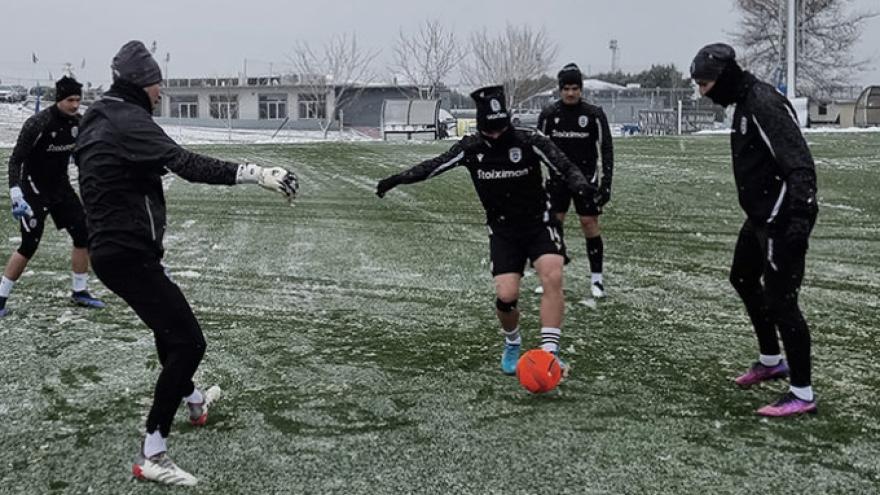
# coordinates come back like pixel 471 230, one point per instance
pixel 356 341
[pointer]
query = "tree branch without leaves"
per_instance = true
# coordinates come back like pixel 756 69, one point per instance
pixel 828 31
pixel 426 57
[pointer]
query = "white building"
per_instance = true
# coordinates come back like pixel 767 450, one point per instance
pixel 256 102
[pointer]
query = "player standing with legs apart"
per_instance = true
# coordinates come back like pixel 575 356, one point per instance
pixel 505 166
pixel 39 186
pixel 122 155
pixel 776 181
pixel 581 131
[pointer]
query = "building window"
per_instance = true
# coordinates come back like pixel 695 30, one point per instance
pixel 823 109
pixel 184 107
pixel 224 107
pixel 312 106
pixel 273 107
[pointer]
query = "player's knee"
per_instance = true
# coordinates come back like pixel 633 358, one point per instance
pixel 551 280
pixel 505 306
pixel 590 226
pixel 28 246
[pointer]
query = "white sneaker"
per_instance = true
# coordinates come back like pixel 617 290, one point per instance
pixel 539 289
pixel 161 469
pixel 598 290
pixel 198 411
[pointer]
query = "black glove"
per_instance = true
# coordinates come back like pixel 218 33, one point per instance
pixel 603 194
pixel 797 234
pixel 386 185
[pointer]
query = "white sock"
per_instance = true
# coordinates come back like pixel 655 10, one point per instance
pixel 550 339
pixel 512 337
pixel 195 397
pixel 803 393
pixel 596 277
pixel 6 287
pixel 770 360
pixel 154 444
pixel 80 281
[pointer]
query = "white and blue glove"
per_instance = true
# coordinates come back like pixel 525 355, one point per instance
pixel 20 207
pixel 275 179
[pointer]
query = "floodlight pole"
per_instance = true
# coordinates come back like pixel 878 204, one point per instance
pixel 791 44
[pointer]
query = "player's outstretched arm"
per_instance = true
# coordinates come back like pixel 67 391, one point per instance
pixel 424 170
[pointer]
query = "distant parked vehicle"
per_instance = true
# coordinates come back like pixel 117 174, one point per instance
pixel 10 94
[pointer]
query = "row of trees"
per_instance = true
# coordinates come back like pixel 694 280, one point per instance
pixel 521 57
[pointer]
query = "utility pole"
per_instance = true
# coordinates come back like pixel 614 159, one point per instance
pixel 791 46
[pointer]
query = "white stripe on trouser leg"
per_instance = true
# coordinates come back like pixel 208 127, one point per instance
pixel 770 255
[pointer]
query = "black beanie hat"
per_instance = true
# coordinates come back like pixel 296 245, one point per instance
pixel 134 63
pixel 67 86
pixel 570 74
pixel 711 61
pixel 492 112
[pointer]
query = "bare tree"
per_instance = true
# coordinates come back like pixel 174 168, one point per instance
pixel 516 58
pixel 426 57
pixel 333 78
pixel 827 32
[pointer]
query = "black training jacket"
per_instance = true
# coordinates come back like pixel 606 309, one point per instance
pixel 507 174
pixel 122 155
pixel 42 153
pixel 581 131
pixel 772 165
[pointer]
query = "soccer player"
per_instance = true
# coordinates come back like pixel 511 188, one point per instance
pixel 39 187
pixel 581 131
pixel 505 167
pixel 776 182
pixel 122 155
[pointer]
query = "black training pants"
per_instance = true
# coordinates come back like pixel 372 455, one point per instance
pixel 158 301
pixel 767 275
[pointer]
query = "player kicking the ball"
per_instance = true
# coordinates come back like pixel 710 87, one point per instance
pixel 505 166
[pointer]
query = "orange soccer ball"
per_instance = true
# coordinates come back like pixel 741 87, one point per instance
pixel 538 371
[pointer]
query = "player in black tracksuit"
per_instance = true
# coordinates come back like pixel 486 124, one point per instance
pixel 122 155
pixel 39 187
pixel 581 131
pixel 776 181
pixel 505 167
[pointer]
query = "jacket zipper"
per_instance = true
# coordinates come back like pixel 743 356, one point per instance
pixel 150 214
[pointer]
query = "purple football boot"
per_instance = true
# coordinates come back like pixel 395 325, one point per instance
pixel 788 405
pixel 759 373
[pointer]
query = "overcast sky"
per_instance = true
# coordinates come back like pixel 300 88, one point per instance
pixel 213 38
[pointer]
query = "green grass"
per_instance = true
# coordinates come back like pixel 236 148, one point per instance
pixel 356 341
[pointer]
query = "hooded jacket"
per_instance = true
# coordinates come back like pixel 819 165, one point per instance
pixel 772 165
pixel 122 155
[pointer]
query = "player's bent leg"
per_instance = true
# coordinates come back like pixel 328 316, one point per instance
pixel 14 268
pixel 507 294
pixel 31 233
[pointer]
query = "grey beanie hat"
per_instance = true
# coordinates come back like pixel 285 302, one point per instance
pixel 134 63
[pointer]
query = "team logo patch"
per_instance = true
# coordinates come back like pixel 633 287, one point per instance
pixel 74 131
pixel 583 120
pixel 495 105
pixel 480 157
pixel 556 120
pixel 515 155
pixel 32 223
pixel 53 134
pixel 743 125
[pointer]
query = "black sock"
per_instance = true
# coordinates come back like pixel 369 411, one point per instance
pixel 595 249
